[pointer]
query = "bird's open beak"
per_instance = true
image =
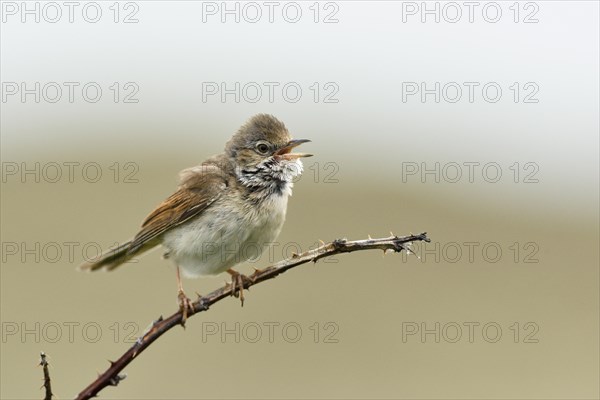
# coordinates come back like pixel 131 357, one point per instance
pixel 285 152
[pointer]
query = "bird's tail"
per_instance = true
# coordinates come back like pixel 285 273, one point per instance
pixel 112 258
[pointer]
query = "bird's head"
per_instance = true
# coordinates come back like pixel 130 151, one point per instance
pixel 262 152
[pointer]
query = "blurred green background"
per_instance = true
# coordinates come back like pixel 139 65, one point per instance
pixel 350 327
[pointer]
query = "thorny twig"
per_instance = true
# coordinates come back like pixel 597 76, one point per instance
pixel 44 363
pixel 112 376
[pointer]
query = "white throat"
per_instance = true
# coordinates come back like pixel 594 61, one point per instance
pixel 271 175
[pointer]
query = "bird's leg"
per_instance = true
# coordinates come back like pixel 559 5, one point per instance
pixel 185 303
pixel 237 284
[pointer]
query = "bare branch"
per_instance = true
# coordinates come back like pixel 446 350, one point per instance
pixel 44 363
pixel 112 376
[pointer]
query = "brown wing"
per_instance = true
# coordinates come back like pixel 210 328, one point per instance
pixel 199 188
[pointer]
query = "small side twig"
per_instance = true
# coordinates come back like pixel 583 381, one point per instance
pixel 44 363
pixel 112 376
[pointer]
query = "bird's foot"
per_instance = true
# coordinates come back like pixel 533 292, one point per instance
pixel 185 306
pixel 237 284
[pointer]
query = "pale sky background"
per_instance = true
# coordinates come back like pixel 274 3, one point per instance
pixel 369 53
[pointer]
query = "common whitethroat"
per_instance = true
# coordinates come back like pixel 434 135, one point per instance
pixel 225 211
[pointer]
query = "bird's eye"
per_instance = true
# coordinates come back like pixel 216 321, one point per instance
pixel 262 147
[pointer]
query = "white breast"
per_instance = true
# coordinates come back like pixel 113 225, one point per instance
pixel 226 235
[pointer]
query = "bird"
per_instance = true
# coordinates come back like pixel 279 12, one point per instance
pixel 224 211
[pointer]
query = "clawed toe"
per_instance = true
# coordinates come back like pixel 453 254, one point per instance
pixel 185 306
pixel 237 284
